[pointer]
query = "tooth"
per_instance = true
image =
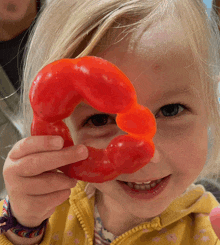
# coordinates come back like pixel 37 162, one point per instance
pixel 129 184
pixel 152 185
pixel 147 187
pixel 137 187
pixel 140 183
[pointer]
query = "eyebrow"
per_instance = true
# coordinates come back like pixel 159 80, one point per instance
pixel 191 91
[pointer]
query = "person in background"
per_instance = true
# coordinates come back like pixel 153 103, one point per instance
pixel 216 8
pixel 17 17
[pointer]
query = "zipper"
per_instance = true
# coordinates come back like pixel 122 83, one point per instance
pixel 90 239
pixel 153 225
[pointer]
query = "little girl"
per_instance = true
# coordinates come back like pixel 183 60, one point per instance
pixel 168 50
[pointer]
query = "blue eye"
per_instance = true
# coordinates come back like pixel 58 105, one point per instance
pixel 172 110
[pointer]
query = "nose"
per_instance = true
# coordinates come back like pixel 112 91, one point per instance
pixel 156 157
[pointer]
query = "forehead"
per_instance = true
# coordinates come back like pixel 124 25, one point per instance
pixel 157 59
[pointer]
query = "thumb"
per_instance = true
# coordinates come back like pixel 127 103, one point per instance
pixel 214 217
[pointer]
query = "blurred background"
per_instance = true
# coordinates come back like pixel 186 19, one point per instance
pixel 208 4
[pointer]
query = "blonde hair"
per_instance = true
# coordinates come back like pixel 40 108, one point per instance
pixel 74 28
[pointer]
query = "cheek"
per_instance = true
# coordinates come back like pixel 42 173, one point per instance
pixel 98 139
pixel 107 187
pixel 184 146
pixel 93 142
pixel 90 140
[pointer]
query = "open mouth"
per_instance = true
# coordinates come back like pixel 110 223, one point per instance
pixel 145 191
pixel 143 186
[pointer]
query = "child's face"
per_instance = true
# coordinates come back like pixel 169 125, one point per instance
pixel 162 72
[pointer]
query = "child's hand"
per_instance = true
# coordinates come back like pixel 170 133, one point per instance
pixel 33 185
pixel 215 220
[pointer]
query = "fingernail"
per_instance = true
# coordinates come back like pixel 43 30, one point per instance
pixel 82 150
pixel 57 142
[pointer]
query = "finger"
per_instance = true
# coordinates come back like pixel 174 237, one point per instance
pixel 215 220
pixel 36 164
pixel 44 183
pixel 35 144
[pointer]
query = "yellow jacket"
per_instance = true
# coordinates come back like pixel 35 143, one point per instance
pixel 184 222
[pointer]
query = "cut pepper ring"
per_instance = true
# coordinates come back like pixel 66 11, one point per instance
pixel 60 86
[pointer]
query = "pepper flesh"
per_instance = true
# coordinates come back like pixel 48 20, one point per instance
pixel 60 86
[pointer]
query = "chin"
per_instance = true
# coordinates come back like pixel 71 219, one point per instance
pixel 148 215
pixel 148 211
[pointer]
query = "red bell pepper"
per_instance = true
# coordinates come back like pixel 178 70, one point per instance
pixel 60 86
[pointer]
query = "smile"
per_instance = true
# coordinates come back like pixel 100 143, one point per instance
pixel 145 191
